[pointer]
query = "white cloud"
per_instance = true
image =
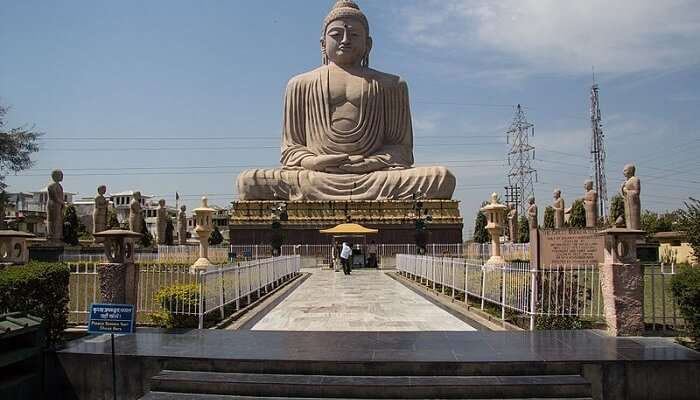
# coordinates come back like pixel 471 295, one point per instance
pixel 560 36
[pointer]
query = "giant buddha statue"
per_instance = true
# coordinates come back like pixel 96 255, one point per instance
pixel 347 130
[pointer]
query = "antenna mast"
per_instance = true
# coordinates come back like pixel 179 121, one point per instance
pixel 598 152
pixel 521 176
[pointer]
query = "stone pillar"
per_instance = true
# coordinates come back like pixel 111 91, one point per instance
pixel 13 247
pixel 622 280
pixel 494 215
pixel 119 278
pixel 203 218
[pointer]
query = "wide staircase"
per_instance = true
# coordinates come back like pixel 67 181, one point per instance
pixel 373 380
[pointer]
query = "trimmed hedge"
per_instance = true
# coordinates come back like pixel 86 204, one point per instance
pixel 40 289
pixel 176 298
pixel 686 289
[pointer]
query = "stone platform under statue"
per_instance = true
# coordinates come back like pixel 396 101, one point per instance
pixel 251 220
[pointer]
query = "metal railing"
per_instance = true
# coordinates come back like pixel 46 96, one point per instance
pixel 230 284
pixel 509 251
pixel 660 307
pixel 514 287
pixel 215 290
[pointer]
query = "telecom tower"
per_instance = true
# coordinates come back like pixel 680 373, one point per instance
pixel 598 153
pixel 521 176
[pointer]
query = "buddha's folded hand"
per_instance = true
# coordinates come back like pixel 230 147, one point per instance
pixel 324 162
pixel 365 166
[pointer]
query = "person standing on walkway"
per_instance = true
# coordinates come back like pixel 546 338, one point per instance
pixel 345 255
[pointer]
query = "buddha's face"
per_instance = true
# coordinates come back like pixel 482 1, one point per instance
pixel 588 185
pixel 101 190
pixel 346 42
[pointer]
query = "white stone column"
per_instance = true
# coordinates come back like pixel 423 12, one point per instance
pixel 494 215
pixel 203 217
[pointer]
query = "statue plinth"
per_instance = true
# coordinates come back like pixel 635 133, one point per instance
pixel 622 281
pixel 251 220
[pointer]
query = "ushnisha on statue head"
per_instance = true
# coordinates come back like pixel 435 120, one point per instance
pixel 345 39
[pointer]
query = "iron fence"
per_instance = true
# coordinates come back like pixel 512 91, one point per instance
pixel 213 291
pixel 514 287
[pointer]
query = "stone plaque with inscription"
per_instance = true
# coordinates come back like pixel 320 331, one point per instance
pixel 570 247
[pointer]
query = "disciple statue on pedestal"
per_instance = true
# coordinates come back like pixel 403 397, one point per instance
pixel 590 203
pixel 630 192
pixel 161 221
pixel 532 213
pixel 99 213
pixel 513 223
pixel 135 217
pixel 182 225
pixel 347 130
pixel 559 210
pixel 54 208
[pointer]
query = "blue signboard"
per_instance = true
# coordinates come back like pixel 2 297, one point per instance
pixel 111 318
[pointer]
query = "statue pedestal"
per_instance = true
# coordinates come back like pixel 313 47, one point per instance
pixel 251 221
pixel 119 283
pixel 622 280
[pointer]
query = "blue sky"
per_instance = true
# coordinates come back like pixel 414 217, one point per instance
pixel 166 96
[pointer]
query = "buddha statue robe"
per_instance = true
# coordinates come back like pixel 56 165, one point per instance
pixel 383 133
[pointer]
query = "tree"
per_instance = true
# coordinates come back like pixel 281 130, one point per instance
pixel 147 239
pixel 653 223
pixel 112 220
pixel 71 226
pixel 16 147
pixel 524 230
pixel 481 235
pixel 617 209
pixel 577 218
pixel 169 230
pixel 216 238
pixel 689 222
pixel 549 217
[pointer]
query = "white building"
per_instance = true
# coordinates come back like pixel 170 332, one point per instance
pixel 27 210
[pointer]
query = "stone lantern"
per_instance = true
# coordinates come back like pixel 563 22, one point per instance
pixel 622 282
pixel 203 218
pixel 13 247
pixel 119 277
pixel 494 215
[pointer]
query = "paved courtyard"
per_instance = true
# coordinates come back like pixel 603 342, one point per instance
pixel 367 300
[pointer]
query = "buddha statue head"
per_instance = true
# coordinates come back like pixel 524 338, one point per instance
pixel 345 39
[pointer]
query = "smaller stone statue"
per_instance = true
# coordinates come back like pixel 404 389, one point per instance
pixel 532 213
pixel 513 223
pixel 590 203
pixel 99 213
pixel 182 225
pixel 135 217
pixel 631 190
pixel 559 210
pixel 54 208
pixel 161 221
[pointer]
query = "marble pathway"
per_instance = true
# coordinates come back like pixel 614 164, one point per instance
pixel 367 300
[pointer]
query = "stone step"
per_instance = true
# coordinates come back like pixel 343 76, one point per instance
pixel 190 396
pixel 375 368
pixel 384 387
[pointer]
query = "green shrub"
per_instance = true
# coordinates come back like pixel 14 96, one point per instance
pixel 40 289
pixel 686 289
pixel 173 299
pixel 561 322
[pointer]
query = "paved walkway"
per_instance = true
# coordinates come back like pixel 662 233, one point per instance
pixel 367 300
